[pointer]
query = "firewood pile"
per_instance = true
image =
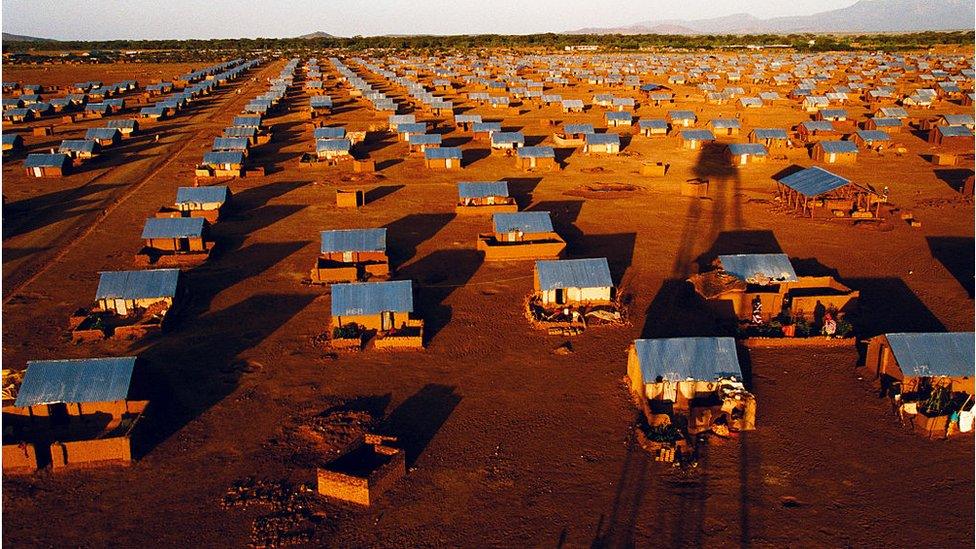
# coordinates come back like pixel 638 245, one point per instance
pixel 292 512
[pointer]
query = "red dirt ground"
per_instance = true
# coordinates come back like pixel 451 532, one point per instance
pixel 508 444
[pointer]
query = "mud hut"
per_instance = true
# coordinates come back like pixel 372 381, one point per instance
pixel 533 158
pixel 383 309
pixel 350 255
pixel 448 158
pixel 835 152
pixel 521 235
pixel 47 165
pixel 74 412
pixel 740 154
pixel 484 197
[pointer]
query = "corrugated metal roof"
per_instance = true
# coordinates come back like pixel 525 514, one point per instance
pixel 770 133
pixel 958 119
pixel 223 157
pixel 617 115
pixel 602 139
pixel 443 152
pixel 498 138
pixel 329 133
pixel 137 284
pixel 247 120
pixel 36 160
pixel 332 144
pixel 882 122
pixel 677 359
pixel 681 115
pixel 78 145
pixel 481 189
pixel 838 147
pixel 240 131
pixel 527 222
pixel 76 380
pixel 873 135
pixel 230 144
pixel 653 123
pixel 411 127
pixel 754 149
pixel 319 101
pixel 697 135
pixel 573 273
pixel 201 195
pixel 369 298
pixel 954 131
pixel 770 266
pixel 934 354
pixel 814 181
pixel 536 152
pixel 724 123
pixel 479 127
pixel 173 227
pixel 818 125
pixel 425 139
pixel 353 240
pixel 120 124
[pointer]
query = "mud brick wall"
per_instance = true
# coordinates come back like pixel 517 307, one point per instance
pixel 19 457
pixel 84 452
pixel 344 487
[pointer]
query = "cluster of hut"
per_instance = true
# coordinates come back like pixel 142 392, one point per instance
pixel 82 412
pixel 684 387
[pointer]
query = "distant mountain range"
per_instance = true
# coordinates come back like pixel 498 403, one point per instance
pixel 864 16
pixel 7 37
pixel 316 34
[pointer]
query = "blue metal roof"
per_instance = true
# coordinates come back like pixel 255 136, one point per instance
pixel 838 147
pixel 934 354
pixel 370 298
pixel 677 359
pixel 873 135
pixel 573 103
pixel 101 133
pixel 122 124
pixel 173 227
pixel 443 152
pixel 776 267
pixel 339 145
pixel 572 129
pixel 329 133
pixel 755 149
pixel 573 273
pixel 411 127
pixel 319 101
pixel 201 195
pixel 402 119
pixel 527 222
pixel 833 113
pixel 697 135
pixel 223 157
pixel 537 152
pixel 11 138
pixel 723 123
pixel 814 181
pixel 248 120
pixel 230 144
pixel 425 139
pixel 78 145
pixel 467 118
pixel 818 125
pixel 954 131
pixel 958 119
pixel 617 115
pixel 602 139
pixel 681 115
pixel 486 127
pixel 770 133
pixel 46 160
pixel 353 240
pixel 76 380
pixel 481 189
pixel 507 137
pixel 652 123
pixel 240 131
pixel 137 284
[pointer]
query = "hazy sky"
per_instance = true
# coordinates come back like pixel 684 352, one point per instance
pixel 118 19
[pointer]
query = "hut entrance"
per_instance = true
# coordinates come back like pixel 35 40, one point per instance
pixel 58 412
pixel 386 320
pixel 560 296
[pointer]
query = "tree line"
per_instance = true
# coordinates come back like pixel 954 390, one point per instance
pixel 606 42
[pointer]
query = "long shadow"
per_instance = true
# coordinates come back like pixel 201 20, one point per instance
pixel 888 305
pixel 272 155
pixel 369 146
pixel 388 163
pixel 534 140
pixel 627 502
pixel 955 178
pixel 564 214
pixel 436 276
pixel 470 156
pixel 11 254
pixel 417 419
pixel 753 241
pixel 376 193
pixel 618 248
pixel 676 311
pixel 956 255
pixel 563 154
pixel 405 234
pixel 30 214
pixel 521 189
pixel 456 141
pixel 195 369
